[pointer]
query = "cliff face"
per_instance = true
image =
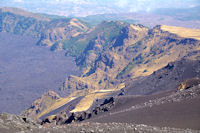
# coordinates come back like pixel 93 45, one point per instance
pixel 110 65
pixel 135 51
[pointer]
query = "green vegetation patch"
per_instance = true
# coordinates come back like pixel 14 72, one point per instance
pixel 137 60
pixel 74 47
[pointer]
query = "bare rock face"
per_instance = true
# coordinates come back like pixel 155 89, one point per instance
pixel 189 83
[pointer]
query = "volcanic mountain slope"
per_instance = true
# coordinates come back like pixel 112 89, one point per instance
pixel 77 107
pixel 113 53
pixel 178 109
pixel 50 104
pixel 134 52
pixel 109 54
pixel 131 52
pixel 188 17
pixel 167 78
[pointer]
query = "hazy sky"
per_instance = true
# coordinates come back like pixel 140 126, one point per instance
pixel 88 7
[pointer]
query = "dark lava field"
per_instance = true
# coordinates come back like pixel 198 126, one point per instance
pixel 28 70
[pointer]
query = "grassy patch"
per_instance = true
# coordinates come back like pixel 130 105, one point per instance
pixel 182 32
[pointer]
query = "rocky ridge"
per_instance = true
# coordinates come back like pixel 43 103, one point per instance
pixel 48 30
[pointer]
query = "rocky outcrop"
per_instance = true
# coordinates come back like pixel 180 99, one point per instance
pixel 189 83
pixel 63 118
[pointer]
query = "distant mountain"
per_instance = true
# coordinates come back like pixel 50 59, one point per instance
pixel 21 22
pixel 183 17
pixel 92 7
pixel 48 29
pixel 184 14
pixel 68 8
pixel 188 18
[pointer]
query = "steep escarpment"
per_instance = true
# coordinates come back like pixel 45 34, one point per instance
pixel 135 52
pixel 113 54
